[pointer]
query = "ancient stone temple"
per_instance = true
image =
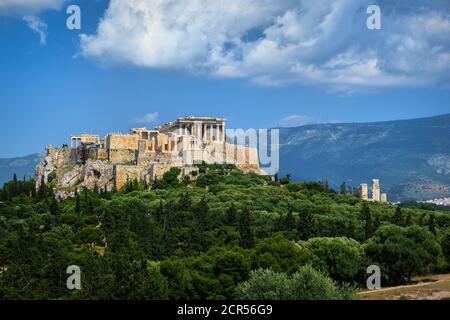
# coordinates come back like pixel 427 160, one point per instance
pixel 202 128
pixel 142 154
pixel 377 196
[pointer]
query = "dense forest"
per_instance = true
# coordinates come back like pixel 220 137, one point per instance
pixel 220 234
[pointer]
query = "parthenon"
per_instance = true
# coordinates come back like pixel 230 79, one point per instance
pixel 203 128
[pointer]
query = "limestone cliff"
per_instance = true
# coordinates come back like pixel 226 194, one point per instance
pixel 66 176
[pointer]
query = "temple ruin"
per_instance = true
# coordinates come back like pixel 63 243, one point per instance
pixel 377 196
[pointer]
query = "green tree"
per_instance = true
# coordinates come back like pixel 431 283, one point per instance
pixel 445 244
pixel 247 239
pixel 341 258
pixel 367 218
pixel 402 252
pixel 171 177
pixel 310 284
pixel 279 254
pixel 230 267
pixel 231 215
pixel 42 190
pixel 397 218
pixel 306 284
pixel 376 223
pixel 89 235
pixel 265 285
pixel 286 180
pixel 201 213
pixel 432 224
pixel 185 202
pixel 306 224
pixel 409 220
pixel 289 221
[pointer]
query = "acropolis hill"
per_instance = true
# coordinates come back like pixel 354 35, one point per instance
pixel 144 155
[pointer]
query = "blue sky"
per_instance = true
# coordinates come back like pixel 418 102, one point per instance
pixel 261 66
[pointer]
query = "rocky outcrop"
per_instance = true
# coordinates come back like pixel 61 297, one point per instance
pixel 43 171
pixel 71 178
pixel 98 173
pixel 57 159
pixel 89 175
pixel 58 170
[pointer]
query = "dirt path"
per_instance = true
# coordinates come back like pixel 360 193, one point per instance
pixel 410 286
pixel 433 287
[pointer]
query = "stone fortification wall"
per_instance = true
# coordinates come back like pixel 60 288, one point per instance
pixel 120 142
pixel 122 156
pixel 124 173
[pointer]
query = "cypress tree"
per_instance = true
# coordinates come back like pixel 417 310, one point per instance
pixel 231 215
pixel 376 223
pixel 431 224
pixel 409 221
pixel 15 186
pixel 367 218
pixel 42 191
pixel 53 206
pixel 185 202
pixel 201 213
pixel 397 218
pixel 155 183
pixel 289 220
pixel 160 210
pixel 114 190
pixel 85 192
pixel 247 239
pixel 305 226
pixel 420 222
pixel 33 192
pixel 77 204
pixel 145 184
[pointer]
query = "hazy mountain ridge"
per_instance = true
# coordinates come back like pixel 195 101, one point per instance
pixel 411 157
pixel 22 166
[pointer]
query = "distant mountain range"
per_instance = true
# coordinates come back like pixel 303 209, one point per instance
pixel 411 157
pixel 23 167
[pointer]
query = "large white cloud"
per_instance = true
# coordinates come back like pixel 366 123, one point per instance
pixel 274 42
pixel 26 7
